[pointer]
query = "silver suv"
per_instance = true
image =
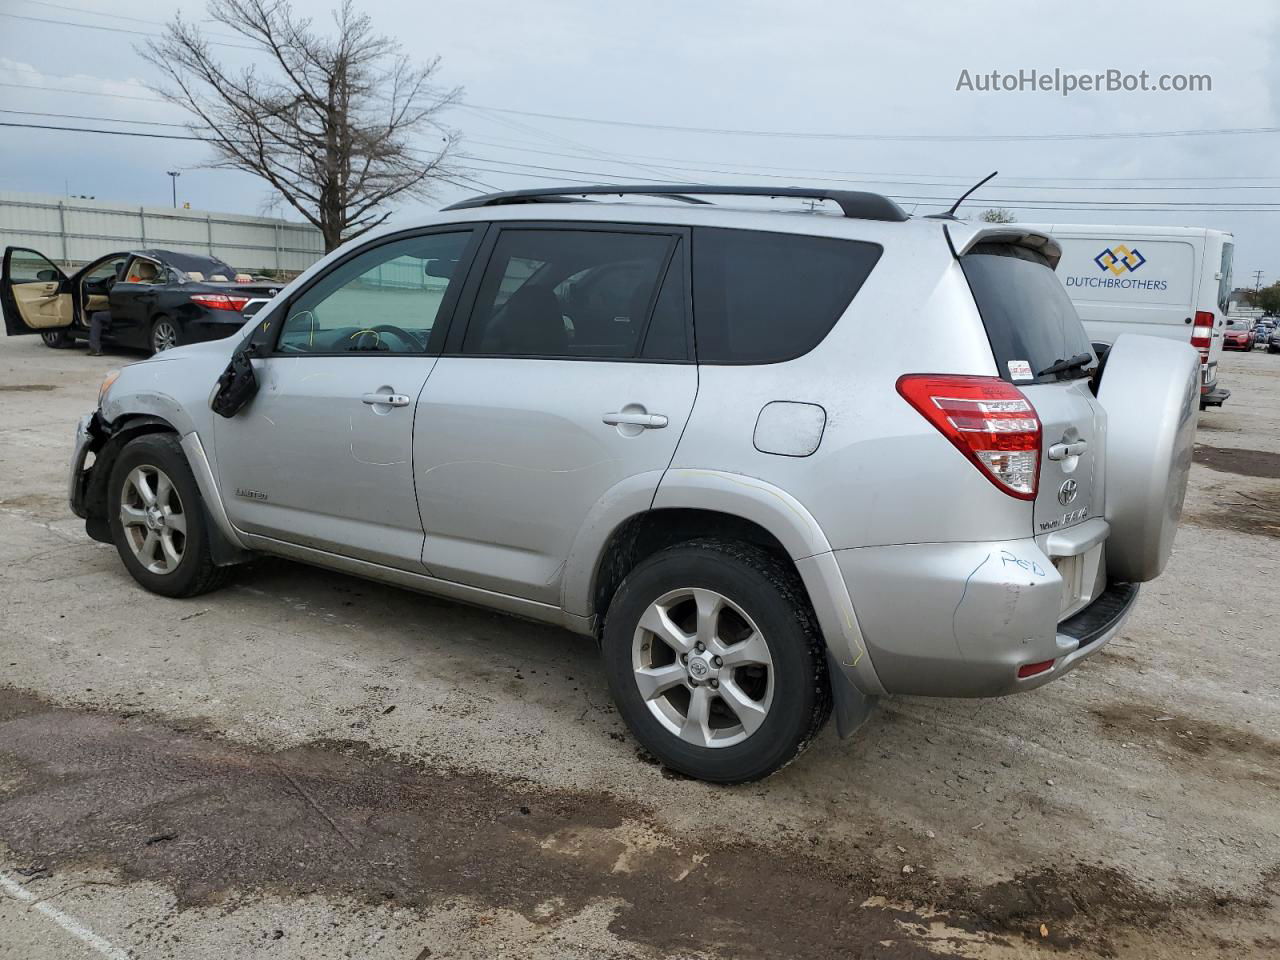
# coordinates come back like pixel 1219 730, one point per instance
pixel 777 462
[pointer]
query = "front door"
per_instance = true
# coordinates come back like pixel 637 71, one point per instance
pixel 34 293
pixel 322 455
pixel 572 380
pixel 133 300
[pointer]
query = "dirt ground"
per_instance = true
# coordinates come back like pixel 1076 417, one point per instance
pixel 309 765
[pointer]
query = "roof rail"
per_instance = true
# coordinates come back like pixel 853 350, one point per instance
pixel 854 204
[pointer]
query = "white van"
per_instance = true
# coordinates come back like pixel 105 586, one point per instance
pixel 1163 281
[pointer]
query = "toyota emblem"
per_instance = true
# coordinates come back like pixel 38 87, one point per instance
pixel 1067 492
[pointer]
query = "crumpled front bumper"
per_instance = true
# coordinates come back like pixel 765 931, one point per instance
pixel 960 619
pixel 87 439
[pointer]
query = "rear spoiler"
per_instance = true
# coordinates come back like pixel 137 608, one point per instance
pixel 1036 240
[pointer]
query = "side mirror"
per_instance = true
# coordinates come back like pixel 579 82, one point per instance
pixel 47 276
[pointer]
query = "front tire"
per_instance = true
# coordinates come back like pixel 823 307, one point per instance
pixel 57 339
pixel 715 661
pixel 158 521
pixel 165 334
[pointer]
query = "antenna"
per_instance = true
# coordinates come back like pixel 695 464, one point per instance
pixel 951 214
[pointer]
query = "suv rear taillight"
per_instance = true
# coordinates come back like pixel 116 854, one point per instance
pixel 1202 333
pixel 988 420
pixel 219 301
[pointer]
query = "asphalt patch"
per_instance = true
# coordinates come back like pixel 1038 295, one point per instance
pixel 26 387
pixel 218 823
pixel 1246 463
pixel 1251 513
pixel 1217 748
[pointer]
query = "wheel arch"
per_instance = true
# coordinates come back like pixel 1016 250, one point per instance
pixel 118 433
pixel 626 526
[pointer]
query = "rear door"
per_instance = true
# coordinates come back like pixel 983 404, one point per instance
pixel 1032 326
pixel 571 381
pixel 34 293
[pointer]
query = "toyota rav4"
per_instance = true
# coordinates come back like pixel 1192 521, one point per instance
pixel 688 430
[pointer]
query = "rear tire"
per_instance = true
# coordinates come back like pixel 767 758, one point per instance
pixel 158 521
pixel 730 718
pixel 57 339
pixel 165 334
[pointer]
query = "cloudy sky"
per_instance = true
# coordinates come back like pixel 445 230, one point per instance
pixel 871 70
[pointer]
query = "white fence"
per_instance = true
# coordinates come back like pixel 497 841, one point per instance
pixel 75 231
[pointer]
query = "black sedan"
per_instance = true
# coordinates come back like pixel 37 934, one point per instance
pixel 157 299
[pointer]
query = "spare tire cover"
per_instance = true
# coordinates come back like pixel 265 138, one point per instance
pixel 1151 392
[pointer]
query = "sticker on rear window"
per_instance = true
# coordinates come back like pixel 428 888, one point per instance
pixel 1020 370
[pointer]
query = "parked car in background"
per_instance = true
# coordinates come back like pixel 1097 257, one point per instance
pixel 1262 332
pixel 158 299
pixel 506 404
pixel 1238 334
pixel 1273 342
pixel 1172 282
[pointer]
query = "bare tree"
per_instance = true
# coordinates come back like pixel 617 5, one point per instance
pixel 330 125
pixel 997 215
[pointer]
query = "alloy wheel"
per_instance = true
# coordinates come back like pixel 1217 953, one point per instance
pixel 164 336
pixel 702 667
pixel 154 522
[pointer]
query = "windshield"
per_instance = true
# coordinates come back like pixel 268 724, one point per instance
pixel 1030 321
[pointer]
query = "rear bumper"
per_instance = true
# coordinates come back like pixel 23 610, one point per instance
pixel 960 619
pixel 1214 396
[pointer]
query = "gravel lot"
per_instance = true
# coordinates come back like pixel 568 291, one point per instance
pixel 308 765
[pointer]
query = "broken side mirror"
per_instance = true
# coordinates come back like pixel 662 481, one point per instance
pixel 238 384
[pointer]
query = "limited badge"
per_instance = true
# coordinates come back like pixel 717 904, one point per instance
pixel 1020 370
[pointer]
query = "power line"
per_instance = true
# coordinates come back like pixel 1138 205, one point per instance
pixel 97 26
pixel 81 93
pixel 110 15
pixel 1167 206
pixel 79 116
pixel 702 167
pixel 914 137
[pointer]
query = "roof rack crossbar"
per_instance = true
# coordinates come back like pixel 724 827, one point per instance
pixel 854 204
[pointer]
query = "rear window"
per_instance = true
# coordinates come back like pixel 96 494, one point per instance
pixel 1030 320
pixel 767 297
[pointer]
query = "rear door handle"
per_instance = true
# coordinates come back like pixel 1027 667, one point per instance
pixel 386 399
pixel 1060 451
pixel 650 421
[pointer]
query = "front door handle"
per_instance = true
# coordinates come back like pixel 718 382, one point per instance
pixel 1060 451
pixel 386 399
pixel 650 421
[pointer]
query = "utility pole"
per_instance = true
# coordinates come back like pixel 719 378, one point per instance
pixel 173 176
pixel 1257 280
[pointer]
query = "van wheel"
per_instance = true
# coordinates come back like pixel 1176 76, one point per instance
pixel 715 661
pixel 158 521
pixel 57 339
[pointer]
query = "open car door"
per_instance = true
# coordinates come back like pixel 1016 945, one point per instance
pixel 34 293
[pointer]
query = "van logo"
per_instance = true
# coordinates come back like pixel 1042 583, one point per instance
pixel 1119 259
pixel 1067 492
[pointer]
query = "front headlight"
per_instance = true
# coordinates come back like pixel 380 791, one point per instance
pixel 111 377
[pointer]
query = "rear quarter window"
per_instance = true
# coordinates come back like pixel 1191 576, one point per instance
pixel 1030 321
pixel 763 297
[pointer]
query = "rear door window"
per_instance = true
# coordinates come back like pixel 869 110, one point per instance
pixel 1029 318
pixel 768 297
pixel 570 293
pixel 1224 277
